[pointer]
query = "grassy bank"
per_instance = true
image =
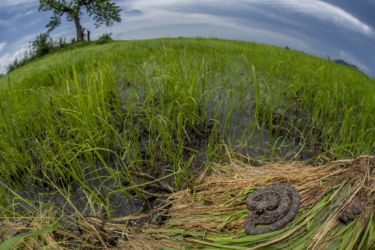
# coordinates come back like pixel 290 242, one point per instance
pixel 98 125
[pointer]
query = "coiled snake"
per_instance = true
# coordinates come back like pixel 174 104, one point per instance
pixel 276 205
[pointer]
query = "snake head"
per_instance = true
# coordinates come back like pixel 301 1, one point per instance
pixel 259 211
pixel 261 207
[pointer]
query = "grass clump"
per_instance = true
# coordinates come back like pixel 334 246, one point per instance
pixel 105 38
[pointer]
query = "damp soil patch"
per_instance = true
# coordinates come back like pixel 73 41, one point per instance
pixel 148 189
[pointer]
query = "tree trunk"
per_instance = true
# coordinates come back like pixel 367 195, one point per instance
pixel 79 29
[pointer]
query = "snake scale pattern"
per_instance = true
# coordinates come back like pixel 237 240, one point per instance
pixel 276 205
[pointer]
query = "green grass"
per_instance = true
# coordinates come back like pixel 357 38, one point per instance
pixel 142 102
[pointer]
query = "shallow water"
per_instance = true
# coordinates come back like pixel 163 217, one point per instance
pixel 236 124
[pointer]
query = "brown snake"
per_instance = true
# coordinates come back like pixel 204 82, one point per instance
pixel 276 205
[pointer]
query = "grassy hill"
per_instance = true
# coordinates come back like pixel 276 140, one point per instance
pixel 104 123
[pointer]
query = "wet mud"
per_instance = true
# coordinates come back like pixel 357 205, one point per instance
pixel 268 143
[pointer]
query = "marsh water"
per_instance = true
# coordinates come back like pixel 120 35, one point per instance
pixel 235 124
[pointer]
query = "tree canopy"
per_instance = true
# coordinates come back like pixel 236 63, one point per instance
pixel 102 11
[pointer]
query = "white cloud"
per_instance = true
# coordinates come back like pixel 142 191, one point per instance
pixel 320 10
pixel 15 50
pixel 316 8
pixel 9 58
pixel 15 17
pixel 2 45
pixel 159 22
pixel 172 17
pixel 8 3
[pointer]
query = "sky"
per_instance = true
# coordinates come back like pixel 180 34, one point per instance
pixel 338 29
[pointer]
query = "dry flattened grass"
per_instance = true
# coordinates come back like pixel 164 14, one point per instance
pixel 212 213
pixel 216 206
pixel 11 227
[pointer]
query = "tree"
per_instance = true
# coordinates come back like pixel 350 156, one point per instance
pixel 102 11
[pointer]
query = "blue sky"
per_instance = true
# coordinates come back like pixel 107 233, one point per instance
pixel 340 29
